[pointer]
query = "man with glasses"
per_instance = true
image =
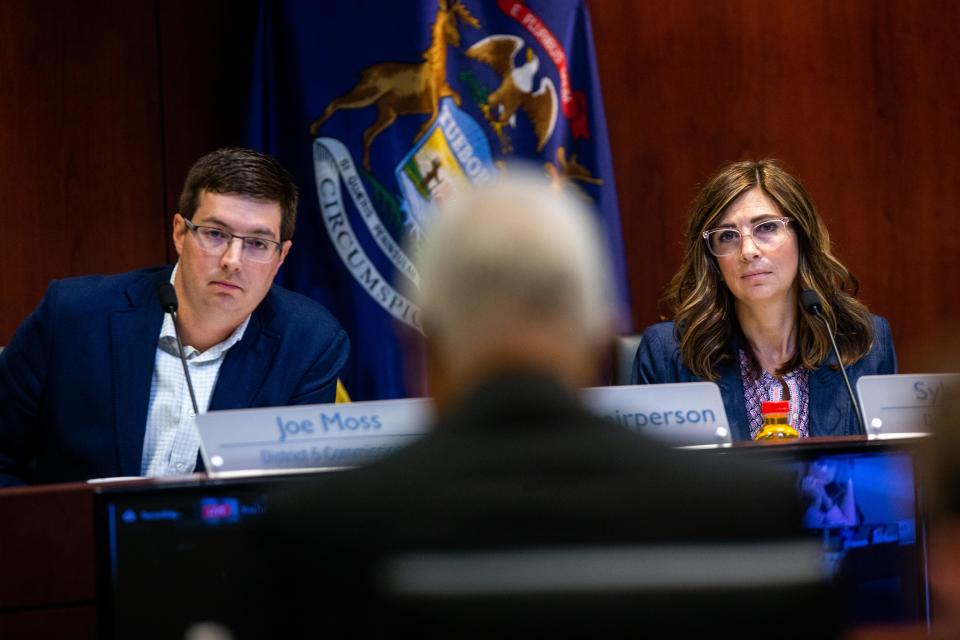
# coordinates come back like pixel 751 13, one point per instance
pixel 91 384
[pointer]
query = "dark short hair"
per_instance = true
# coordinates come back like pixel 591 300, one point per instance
pixel 242 172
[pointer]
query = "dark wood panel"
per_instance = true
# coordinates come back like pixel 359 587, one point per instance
pixel 47 548
pixel 107 103
pixel 858 97
pixel 206 59
pixel 76 623
pixel 80 161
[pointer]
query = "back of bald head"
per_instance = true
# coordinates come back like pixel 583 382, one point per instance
pixel 515 272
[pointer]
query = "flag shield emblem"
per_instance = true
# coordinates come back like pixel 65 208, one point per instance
pixel 454 152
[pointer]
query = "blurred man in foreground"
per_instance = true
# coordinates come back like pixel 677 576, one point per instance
pixel 517 308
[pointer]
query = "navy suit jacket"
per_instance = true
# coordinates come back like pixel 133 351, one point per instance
pixel 658 361
pixel 75 379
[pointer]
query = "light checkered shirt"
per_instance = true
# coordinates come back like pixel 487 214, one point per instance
pixel 171 443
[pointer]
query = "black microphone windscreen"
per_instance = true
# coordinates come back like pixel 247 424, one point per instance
pixel 810 301
pixel 168 297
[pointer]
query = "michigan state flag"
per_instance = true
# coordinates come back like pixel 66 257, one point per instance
pixel 379 108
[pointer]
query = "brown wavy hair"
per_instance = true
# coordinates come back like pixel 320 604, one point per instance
pixel 703 307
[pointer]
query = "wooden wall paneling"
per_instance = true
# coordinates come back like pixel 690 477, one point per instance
pixel 859 98
pixel 80 163
pixel 205 59
pixel 104 106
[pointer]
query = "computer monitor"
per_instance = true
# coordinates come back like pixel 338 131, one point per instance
pixel 170 556
pixel 863 500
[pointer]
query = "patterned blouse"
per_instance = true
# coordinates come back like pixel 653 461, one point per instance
pixel 793 387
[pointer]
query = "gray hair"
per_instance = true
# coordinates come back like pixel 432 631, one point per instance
pixel 514 254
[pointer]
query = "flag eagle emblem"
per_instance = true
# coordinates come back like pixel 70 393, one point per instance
pixel 516 87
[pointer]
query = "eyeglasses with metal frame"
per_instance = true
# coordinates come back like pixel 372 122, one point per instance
pixel 766 234
pixel 216 240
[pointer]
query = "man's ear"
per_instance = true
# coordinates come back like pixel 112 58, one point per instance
pixel 179 232
pixel 284 249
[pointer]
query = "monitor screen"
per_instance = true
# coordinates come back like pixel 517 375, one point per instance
pixel 172 556
pixel 864 503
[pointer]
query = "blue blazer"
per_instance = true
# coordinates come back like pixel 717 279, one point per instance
pixel 658 361
pixel 75 379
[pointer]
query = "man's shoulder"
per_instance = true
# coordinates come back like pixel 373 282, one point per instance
pixel 619 474
pixel 98 290
pixel 116 280
pixel 291 309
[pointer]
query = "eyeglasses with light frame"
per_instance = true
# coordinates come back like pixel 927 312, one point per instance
pixel 216 240
pixel 766 234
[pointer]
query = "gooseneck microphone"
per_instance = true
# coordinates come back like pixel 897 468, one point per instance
pixel 168 300
pixel 810 302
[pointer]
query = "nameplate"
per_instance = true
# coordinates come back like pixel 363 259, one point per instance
pixel 688 414
pixel 319 436
pixel 897 405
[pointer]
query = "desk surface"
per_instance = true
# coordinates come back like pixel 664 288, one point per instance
pixel 49 534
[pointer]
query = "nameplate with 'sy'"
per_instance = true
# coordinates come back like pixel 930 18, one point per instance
pixel 902 404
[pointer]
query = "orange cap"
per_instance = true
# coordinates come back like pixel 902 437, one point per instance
pixel 775 407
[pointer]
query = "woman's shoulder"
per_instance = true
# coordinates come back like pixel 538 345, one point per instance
pixel 659 342
pixel 882 336
pixel 882 357
pixel 880 324
pixel 658 346
pixel 660 333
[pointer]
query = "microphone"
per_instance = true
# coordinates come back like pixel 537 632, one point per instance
pixel 168 297
pixel 810 302
pixel 168 301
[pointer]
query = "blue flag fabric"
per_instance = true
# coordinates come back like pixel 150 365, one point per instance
pixel 379 108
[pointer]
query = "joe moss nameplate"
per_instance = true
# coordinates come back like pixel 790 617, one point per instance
pixel 682 415
pixel 320 436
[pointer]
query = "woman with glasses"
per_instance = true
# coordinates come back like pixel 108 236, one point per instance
pixel 754 242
